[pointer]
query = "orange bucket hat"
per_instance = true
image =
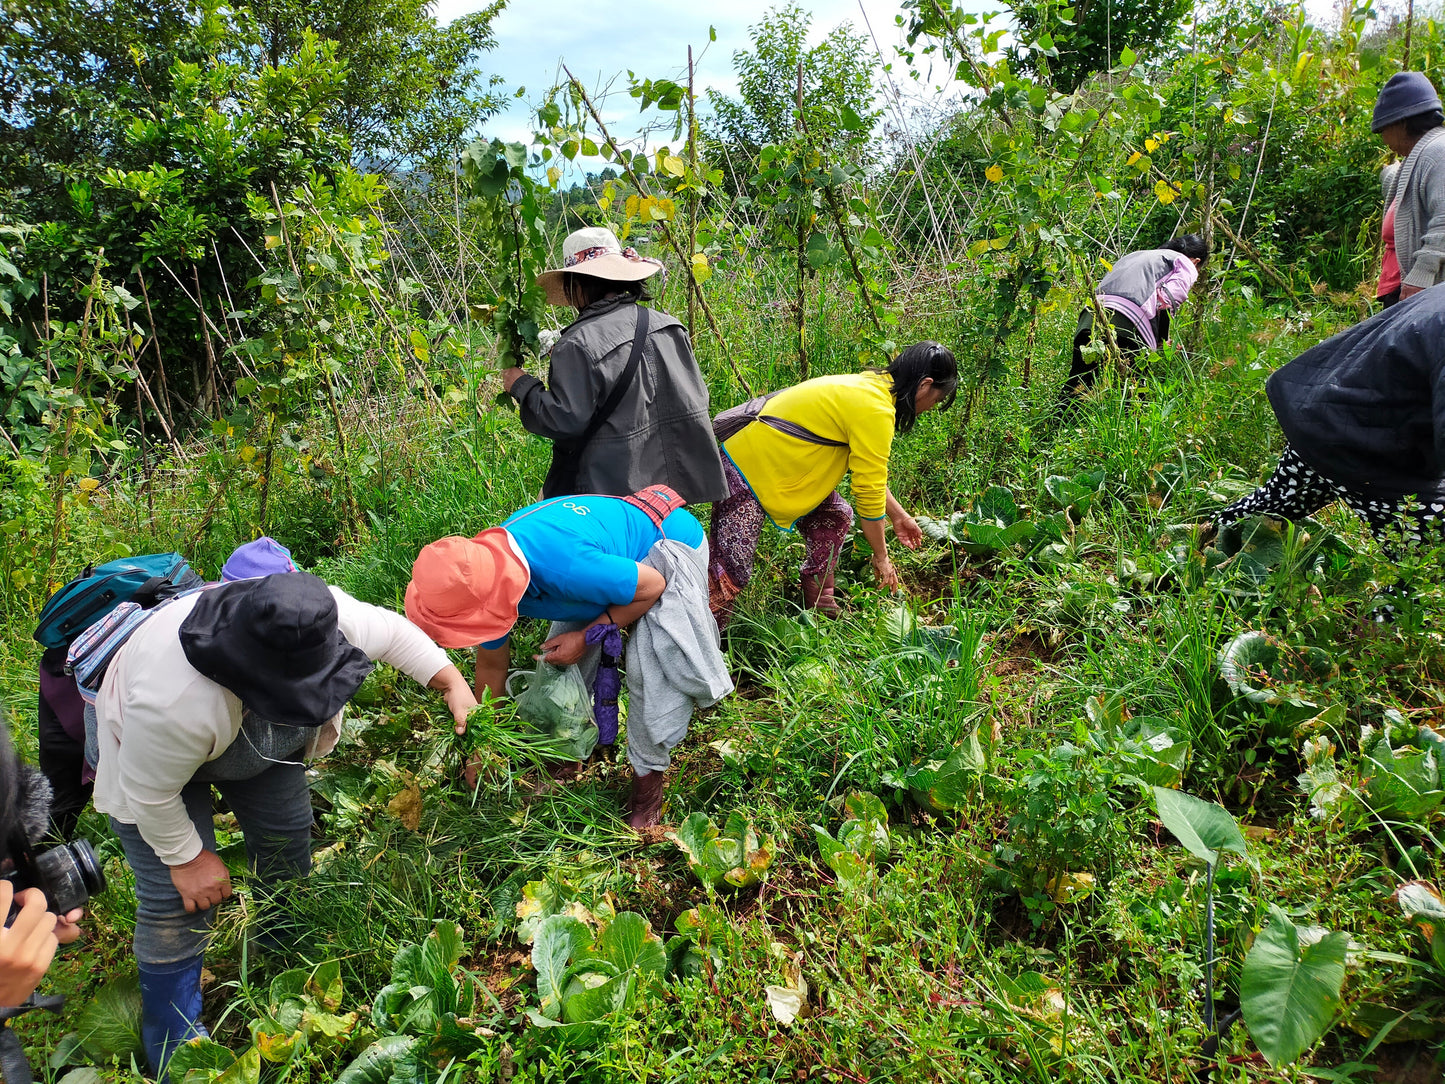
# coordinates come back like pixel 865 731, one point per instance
pixel 464 591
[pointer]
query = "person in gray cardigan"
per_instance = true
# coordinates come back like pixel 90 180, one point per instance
pixel 1408 117
pixel 625 403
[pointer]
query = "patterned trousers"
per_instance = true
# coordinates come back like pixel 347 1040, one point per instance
pixel 737 526
pixel 1296 490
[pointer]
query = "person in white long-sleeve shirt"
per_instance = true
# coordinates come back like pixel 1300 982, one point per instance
pixel 234 687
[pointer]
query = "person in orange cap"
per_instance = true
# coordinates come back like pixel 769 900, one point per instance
pixel 581 562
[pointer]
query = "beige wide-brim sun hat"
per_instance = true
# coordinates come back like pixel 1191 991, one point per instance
pixel 596 251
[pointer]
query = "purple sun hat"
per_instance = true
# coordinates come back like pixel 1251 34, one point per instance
pixel 263 557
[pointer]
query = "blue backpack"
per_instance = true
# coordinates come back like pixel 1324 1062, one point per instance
pixel 145 580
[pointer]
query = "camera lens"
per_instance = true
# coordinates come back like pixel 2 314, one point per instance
pixel 69 875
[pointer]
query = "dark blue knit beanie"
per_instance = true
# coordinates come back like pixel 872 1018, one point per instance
pixel 1407 94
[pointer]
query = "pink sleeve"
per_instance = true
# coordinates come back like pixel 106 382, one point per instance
pixel 1173 288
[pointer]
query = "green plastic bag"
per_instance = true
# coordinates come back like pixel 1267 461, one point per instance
pixel 557 701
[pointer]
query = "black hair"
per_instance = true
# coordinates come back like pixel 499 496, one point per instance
pixel 1421 123
pixel 908 369
pixel 590 289
pixel 1191 244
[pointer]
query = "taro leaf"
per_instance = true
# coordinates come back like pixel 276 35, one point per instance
pixel 199 1061
pixel 1370 1018
pixel 560 938
pixel 377 1063
pixel 109 1027
pixel 628 943
pixel 591 1001
pixel 1203 828
pixel 1290 992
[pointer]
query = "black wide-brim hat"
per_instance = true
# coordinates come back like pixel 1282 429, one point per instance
pixel 275 643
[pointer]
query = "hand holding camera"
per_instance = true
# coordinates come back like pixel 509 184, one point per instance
pixel 28 943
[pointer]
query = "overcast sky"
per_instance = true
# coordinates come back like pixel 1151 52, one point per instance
pixel 601 41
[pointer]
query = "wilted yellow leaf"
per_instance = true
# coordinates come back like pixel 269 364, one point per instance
pixel 1151 145
pixel 553 175
pixel 88 484
pixel 406 807
pixel 1165 191
pixel 994 173
pixel 1133 158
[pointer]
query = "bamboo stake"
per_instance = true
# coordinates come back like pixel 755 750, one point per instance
pixel 156 343
pixel 692 202
pixel 800 304
pixel 667 234
pixel 212 384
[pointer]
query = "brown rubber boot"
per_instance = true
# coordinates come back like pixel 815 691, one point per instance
pixel 644 804
pixel 818 594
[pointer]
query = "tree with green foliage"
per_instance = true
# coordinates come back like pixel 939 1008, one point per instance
pixel 412 90
pixel 1093 34
pixel 837 80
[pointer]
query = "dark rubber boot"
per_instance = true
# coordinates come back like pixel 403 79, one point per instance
pixel 644 805
pixel 818 594
pixel 170 996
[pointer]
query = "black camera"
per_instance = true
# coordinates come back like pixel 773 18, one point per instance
pixel 68 875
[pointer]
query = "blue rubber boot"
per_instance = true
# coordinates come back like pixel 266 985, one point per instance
pixel 170 996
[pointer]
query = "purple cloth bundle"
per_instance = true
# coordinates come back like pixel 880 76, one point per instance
pixel 608 683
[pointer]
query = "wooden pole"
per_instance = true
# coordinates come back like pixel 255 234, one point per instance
pixel 1409 25
pixel 692 201
pixel 800 303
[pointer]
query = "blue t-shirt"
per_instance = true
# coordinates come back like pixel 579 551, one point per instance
pixel 583 553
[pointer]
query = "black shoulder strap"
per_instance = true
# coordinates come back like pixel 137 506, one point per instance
pixel 629 373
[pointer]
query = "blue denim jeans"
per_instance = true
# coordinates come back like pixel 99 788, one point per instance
pixel 273 809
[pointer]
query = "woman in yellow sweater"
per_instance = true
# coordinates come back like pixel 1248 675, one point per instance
pixel 786 461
